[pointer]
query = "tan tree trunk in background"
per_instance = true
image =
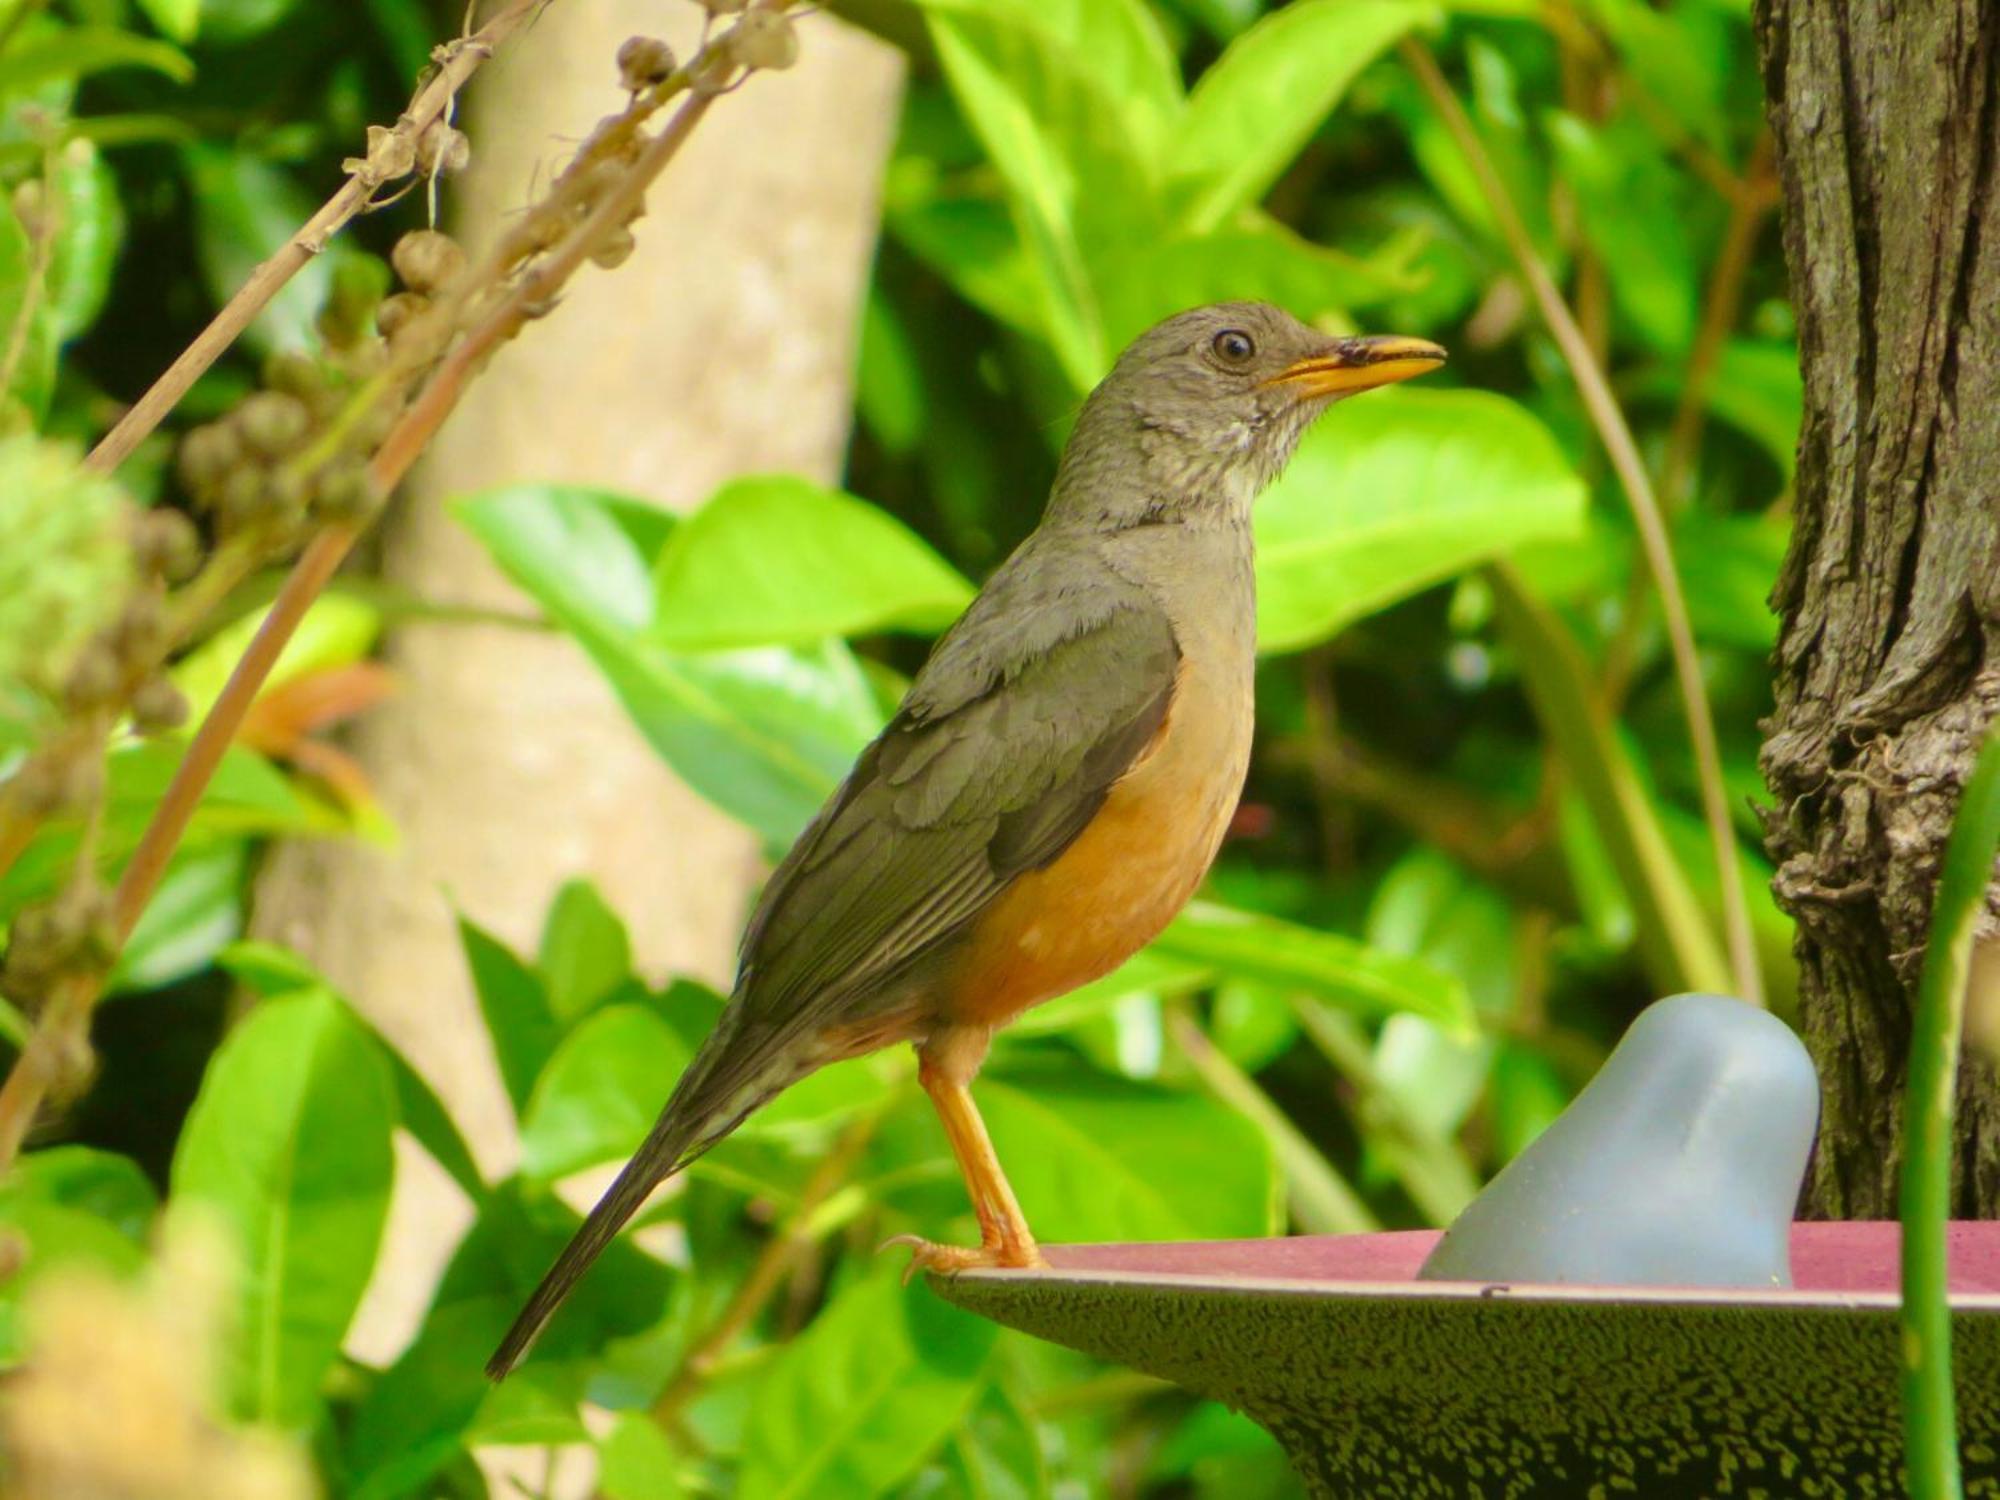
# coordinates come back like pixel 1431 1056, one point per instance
pixel 1887 121
pixel 724 346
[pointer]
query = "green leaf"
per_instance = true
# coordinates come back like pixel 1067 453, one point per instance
pixel 288 1144
pixel 519 1018
pixel 1067 1139
pixel 246 209
pixel 337 629
pixel 636 1462
pixel 995 1454
pixel 247 796
pixel 1323 964
pixel 272 971
pixel 1728 567
pixel 1757 389
pixel 1631 205
pixel 1678 945
pixel 600 1093
pixel 864 1396
pixel 79 51
pixel 101 1183
pixel 197 910
pixel 1253 257
pixel 240 20
pixel 1261 101
pixel 91 229
pixel 1078 172
pixel 1391 494
pixel 778 560
pixel 54 1238
pixel 34 370
pixel 415 1418
pixel 766 735
pixel 585 953
pixel 178 19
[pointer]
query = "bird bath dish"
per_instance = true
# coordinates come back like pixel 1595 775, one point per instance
pixel 1379 1384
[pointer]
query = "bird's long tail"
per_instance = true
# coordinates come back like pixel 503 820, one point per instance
pixel 711 1098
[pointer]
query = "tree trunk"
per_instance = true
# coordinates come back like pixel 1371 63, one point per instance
pixel 1887 120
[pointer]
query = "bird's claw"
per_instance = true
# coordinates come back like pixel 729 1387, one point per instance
pixel 949 1260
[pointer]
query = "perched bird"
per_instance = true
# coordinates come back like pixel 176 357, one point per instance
pixel 1055 783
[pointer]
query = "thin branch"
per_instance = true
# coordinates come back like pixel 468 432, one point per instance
pixel 38 1065
pixel 48 224
pixel 1624 454
pixel 780 1253
pixel 457 61
pixel 1720 306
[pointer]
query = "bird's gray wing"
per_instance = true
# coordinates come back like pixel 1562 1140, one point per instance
pixel 1004 749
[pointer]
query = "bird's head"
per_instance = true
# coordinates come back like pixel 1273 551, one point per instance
pixel 1203 411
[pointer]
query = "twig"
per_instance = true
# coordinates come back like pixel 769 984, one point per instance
pixel 1320 1197
pixel 457 61
pixel 48 224
pixel 766 1273
pixel 1936 1032
pixel 29 1081
pixel 1720 306
pixel 1616 436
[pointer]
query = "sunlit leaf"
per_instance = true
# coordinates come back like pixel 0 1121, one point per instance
pixel 288 1143
pixel 1326 965
pixel 90 229
pixel 585 953
pixel 1392 493
pixel 79 51
pixel 764 734
pixel 864 1396
pixel 1632 211
pixel 779 560
pixel 519 1018
pixel 1268 92
pixel 1095 1158
pixel 600 1092
pixel 337 629
pixel 178 19
pixel 195 912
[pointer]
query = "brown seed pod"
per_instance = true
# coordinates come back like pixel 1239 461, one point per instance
pixel 95 677
pixel 272 423
pixel 239 500
pixel 764 39
pixel 207 455
pixel 164 543
pixel 442 149
pixel 614 249
pixel 399 311
pixel 138 635
pixel 346 493
pixel 427 261
pixel 295 374
pixel 644 61
pixel 391 154
pixel 158 706
pixel 29 201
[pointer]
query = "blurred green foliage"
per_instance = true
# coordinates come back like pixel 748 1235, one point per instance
pixel 1468 853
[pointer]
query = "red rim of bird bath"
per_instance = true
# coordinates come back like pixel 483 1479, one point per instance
pixel 1853 1264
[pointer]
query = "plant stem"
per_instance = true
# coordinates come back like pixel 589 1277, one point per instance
pixel 28 1083
pixel 1721 304
pixel 1321 1200
pixel 1616 436
pixel 766 1273
pixel 457 61
pixel 1929 1421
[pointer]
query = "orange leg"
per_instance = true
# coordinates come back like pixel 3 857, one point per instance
pixel 1004 1236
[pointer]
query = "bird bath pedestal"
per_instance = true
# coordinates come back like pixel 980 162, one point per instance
pixel 1379 1384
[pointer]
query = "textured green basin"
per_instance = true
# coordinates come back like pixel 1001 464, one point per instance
pixel 1380 1385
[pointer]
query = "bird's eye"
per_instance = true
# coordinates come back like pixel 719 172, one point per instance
pixel 1233 346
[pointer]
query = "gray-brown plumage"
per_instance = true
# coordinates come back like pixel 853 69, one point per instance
pixel 1056 781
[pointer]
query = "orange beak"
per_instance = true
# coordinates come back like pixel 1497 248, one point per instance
pixel 1359 364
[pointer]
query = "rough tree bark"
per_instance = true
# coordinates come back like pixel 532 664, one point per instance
pixel 1887 119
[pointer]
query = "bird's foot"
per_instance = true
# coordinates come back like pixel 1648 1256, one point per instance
pixel 949 1260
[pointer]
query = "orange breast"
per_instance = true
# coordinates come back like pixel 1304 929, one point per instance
pixel 1127 874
